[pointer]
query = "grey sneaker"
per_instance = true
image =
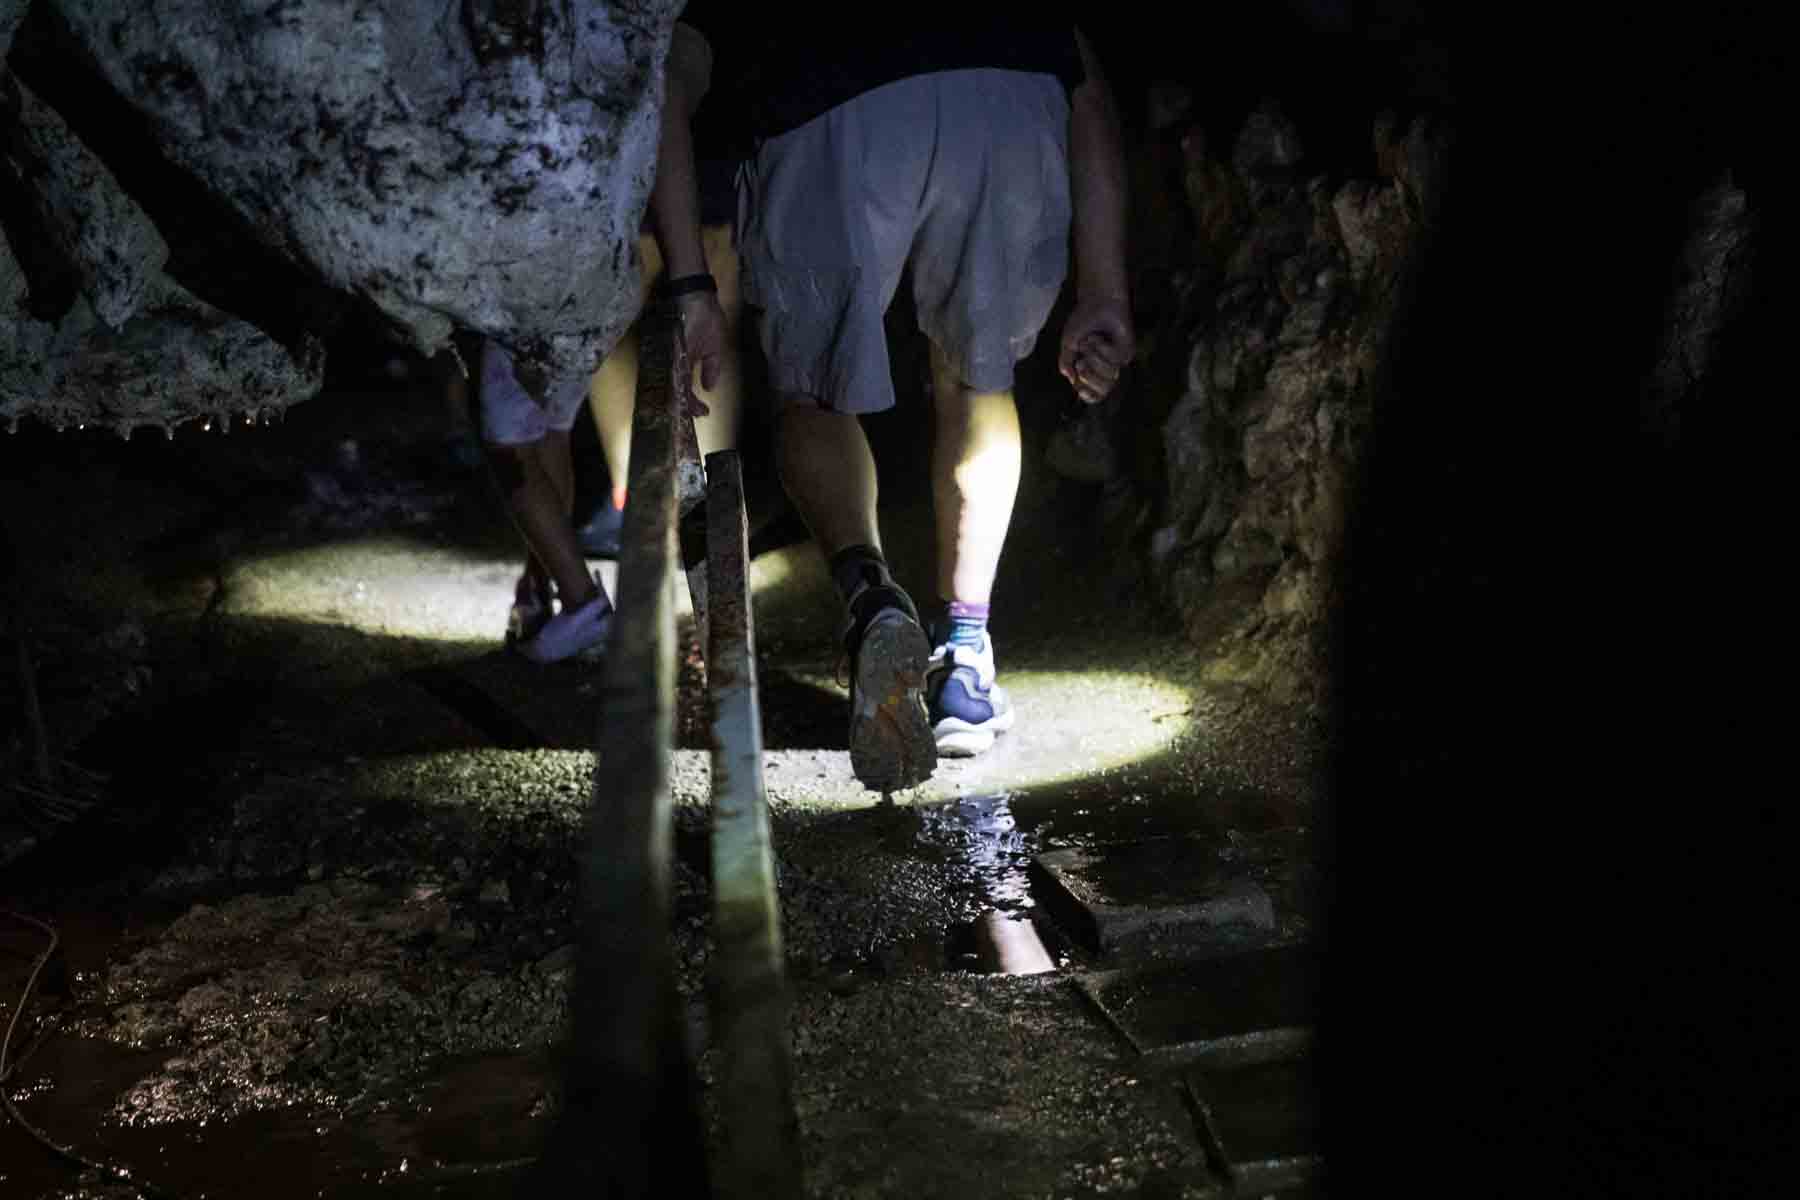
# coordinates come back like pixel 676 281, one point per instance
pixel 891 744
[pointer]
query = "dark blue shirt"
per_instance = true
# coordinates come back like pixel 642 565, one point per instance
pixel 773 72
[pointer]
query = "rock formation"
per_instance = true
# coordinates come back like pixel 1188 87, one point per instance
pixel 483 165
pixel 1264 371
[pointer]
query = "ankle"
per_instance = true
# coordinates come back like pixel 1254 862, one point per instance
pixel 855 567
pixel 959 623
pixel 574 600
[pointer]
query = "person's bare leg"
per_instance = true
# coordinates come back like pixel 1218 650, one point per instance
pixel 613 398
pixel 613 395
pixel 563 554
pixel 718 429
pixel 975 465
pixel 829 474
pixel 559 467
pixel 536 498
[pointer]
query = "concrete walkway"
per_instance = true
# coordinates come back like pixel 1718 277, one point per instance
pixel 327 911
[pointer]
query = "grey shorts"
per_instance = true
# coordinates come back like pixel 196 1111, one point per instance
pixel 962 174
pixel 509 416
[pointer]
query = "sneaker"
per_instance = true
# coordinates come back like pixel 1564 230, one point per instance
pixel 571 631
pixel 530 609
pixel 967 708
pixel 599 537
pixel 890 739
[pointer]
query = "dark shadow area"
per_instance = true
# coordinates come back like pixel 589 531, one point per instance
pixel 797 714
pixel 1332 64
pixel 1554 872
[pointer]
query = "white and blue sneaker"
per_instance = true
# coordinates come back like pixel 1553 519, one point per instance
pixel 967 708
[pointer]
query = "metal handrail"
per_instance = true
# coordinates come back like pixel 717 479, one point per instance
pixel 759 1156
pixel 629 1124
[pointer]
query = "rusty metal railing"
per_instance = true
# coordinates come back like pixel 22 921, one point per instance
pixel 760 1140
pixel 630 1124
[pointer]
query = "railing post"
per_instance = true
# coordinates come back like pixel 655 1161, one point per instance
pixel 629 1125
pixel 760 1151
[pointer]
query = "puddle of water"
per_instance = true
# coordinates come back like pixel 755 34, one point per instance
pixel 991 840
pixel 981 835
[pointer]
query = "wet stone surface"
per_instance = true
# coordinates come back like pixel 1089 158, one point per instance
pixel 1193 894
pixel 320 934
pixel 1236 1008
pixel 1264 1116
pixel 1002 1086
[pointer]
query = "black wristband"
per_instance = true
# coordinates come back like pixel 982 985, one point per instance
pixel 687 285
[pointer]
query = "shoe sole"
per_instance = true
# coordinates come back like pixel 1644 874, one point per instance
pixel 957 738
pixel 891 744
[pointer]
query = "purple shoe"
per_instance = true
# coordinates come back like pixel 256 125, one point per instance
pixel 571 631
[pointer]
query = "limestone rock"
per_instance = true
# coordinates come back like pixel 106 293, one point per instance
pixel 1712 279
pixel 101 235
pixel 484 164
pixel 24 341
pixel 102 334
pixel 177 359
pixel 11 13
pixel 1284 327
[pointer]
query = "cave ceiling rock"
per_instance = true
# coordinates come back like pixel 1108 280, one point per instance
pixel 483 165
pixel 178 359
pixel 96 232
pixel 104 335
pixel 12 12
pixel 25 342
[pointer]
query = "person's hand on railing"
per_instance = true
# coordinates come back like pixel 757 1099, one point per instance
pixel 699 347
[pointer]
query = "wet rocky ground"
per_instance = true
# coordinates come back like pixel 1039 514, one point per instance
pixel 309 844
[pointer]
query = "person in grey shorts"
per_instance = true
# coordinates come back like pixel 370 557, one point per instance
pixel 527 447
pixel 967 148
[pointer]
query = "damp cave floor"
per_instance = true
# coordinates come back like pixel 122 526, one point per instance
pixel 316 924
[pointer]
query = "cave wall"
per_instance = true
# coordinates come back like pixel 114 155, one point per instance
pixel 482 165
pixel 1262 373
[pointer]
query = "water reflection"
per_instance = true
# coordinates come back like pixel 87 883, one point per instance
pixel 983 834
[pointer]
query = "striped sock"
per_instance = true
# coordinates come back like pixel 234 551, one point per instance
pixel 960 624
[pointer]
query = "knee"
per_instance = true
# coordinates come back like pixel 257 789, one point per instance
pixel 800 415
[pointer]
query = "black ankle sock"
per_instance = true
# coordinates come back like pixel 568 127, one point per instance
pixel 853 566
